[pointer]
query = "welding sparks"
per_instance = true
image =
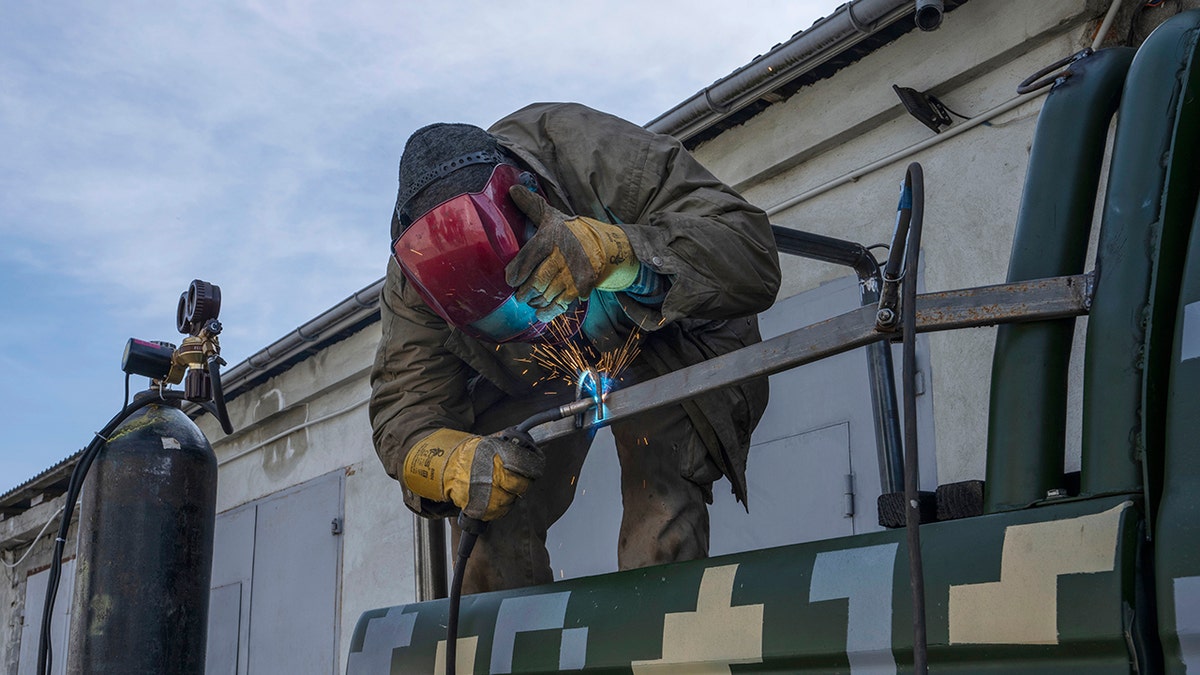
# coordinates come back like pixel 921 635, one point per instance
pixel 593 373
pixel 572 361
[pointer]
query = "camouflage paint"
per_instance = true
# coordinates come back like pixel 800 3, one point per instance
pixel 840 605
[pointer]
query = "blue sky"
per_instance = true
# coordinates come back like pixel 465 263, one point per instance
pixel 255 145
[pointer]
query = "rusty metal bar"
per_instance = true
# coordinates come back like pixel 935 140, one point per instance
pixel 1036 300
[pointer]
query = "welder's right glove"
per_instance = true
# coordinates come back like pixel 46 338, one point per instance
pixel 482 475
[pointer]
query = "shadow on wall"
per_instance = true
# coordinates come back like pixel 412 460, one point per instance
pixel 281 447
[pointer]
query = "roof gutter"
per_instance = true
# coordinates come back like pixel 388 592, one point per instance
pixel 333 325
pixel 850 24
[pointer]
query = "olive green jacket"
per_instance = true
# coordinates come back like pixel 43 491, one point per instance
pixel 715 248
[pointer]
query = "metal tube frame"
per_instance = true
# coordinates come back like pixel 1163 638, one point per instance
pixel 1036 300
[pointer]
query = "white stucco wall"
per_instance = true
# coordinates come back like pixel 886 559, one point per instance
pixel 973 181
pixel 305 423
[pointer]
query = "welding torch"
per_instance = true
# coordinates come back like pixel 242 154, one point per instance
pixel 473 527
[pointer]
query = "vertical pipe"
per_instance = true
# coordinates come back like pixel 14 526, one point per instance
pixel 1027 421
pixel 929 14
pixel 430 554
pixel 889 445
pixel 880 372
pixel 1149 203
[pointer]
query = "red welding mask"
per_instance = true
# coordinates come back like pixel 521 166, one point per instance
pixel 455 255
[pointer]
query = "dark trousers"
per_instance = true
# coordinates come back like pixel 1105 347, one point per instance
pixel 666 486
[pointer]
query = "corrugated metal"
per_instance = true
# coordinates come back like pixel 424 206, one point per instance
pixel 52 480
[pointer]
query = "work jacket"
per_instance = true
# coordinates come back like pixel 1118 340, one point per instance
pixel 716 250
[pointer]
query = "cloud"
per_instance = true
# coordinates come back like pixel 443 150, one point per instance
pixel 254 144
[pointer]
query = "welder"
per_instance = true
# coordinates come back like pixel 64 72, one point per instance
pixel 561 223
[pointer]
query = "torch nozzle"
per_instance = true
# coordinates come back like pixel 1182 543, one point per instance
pixel 555 414
pixel 590 390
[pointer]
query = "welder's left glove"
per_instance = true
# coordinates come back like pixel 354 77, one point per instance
pixel 482 475
pixel 568 258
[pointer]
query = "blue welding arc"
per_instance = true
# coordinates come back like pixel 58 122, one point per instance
pixel 594 385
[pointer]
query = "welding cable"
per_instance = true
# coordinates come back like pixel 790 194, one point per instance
pixel 471 528
pixel 554 414
pixel 914 185
pixel 82 465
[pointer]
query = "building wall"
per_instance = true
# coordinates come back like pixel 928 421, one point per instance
pixel 30 558
pixel 303 424
pixel 973 181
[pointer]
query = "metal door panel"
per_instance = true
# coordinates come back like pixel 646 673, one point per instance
pixel 35 599
pixel 797 492
pixel 224 630
pixel 233 563
pixel 293 607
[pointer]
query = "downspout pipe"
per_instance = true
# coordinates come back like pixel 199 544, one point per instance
pixel 1027 420
pixel 929 14
pixel 850 24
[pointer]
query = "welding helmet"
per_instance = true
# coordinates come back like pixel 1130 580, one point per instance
pixel 466 231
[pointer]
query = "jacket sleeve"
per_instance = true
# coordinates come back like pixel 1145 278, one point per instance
pixel 715 247
pixel 417 385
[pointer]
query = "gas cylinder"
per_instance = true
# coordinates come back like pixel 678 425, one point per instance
pixel 145 549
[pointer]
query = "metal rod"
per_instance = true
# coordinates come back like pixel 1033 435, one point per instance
pixel 881 374
pixel 826 249
pixel 1035 300
pixel 886 410
pixel 889 292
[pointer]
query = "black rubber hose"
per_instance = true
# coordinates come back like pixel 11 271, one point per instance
pixel 914 181
pixel 214 376
pixel 74 486
pixel 471 529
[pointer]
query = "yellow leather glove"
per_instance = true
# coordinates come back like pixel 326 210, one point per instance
pixel 568 257
pixel 482 475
